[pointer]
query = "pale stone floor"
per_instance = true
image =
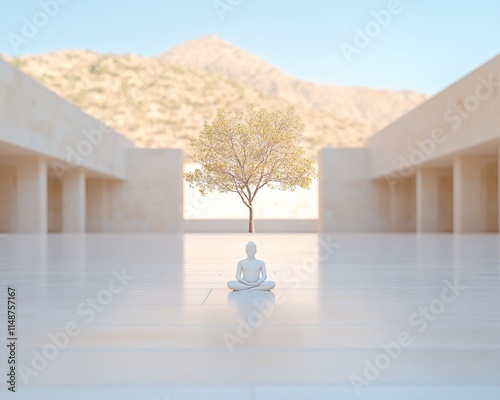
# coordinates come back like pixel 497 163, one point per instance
pixel 162 336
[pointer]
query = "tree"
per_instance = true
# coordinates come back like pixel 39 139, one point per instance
pixel 242 152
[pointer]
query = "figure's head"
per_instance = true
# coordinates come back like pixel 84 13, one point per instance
pixel 251 249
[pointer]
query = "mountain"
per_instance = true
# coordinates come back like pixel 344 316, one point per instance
pixel 163 101
pixel 371 106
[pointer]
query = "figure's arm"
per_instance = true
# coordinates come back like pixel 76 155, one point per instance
pixel 263 273
pixel 238 274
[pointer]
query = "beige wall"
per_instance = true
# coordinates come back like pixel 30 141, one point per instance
pixel 35 120
pixel 462 198
pixel 349 202
pixel 150 200
pixel 97 205
pixel 7 198
pixel 31 195
pixel 434 170
pixel 372 189
pixel 466 113
pixel 74 206
pixel 403 207
pixel 63 171
pixel 475 194
pixel 445 200
pixel 55 204
pixel 241 225
pixel 490 187
pixel 434 200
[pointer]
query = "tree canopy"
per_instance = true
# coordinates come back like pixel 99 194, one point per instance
pixel 242 152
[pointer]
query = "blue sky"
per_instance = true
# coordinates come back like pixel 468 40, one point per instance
pixel 425 46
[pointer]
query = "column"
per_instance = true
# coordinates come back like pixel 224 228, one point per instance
pixel 175 188
pixel 490 194
pixel 97 205
pixel 427 197
pixel 73 202
pixel 467 195
pixel 498 192
pixel 7 198
pixel 403 206
pixel 31 195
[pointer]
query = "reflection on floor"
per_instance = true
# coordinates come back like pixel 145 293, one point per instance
pixel 149 317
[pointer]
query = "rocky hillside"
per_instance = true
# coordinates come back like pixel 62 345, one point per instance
pixel 370 106
pixel 163 101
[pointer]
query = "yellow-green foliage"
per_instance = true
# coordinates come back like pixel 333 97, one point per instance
pixel 242 152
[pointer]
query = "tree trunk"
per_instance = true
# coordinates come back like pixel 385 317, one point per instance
pixel 251 228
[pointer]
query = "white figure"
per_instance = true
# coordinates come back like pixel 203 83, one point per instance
pixel 251 273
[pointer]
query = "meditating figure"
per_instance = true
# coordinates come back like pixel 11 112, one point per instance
pixel 251 273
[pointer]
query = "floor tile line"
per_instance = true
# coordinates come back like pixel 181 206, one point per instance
pixel 207 296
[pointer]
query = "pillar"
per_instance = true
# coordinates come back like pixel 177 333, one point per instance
pixel 97 205
pixel 490 194
pixel 73 202
pixel 467 195
pixel 403 206
pixel 498 191
pixel 445 200
pixel 434 200
pixel 54 199
pixel 175 188
pixel 427 199
pixel 31 195
pixel 7 198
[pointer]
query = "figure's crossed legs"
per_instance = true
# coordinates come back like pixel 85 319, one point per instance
pixel 235 285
